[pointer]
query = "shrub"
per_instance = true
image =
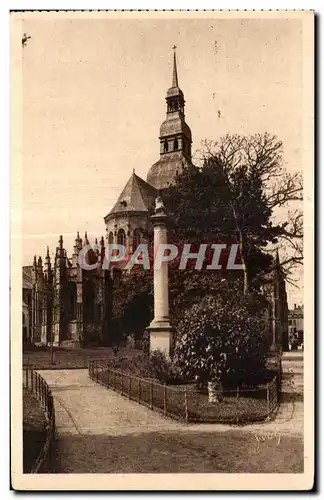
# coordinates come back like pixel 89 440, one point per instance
pixel 221 341
pixel 164 369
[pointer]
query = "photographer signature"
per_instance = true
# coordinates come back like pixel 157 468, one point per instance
pixel 267 437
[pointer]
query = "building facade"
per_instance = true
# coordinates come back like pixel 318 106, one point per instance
pixel 296 323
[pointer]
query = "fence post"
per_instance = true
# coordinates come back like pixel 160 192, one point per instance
pixel 122 383
pixel 165 399
pixel 186 404
pixel 97 371
pixel 268 398
pixel 151 394
pixel 130 386
pixel 139 390
pixel 114 380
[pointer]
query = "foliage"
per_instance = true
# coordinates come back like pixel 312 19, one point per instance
pixel 163 369
pixel 132 305
pixel 221 339
pixel 233 197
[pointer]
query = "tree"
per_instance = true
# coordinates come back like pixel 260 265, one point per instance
pixel 220 339
pixel 132 308
pixel 233 196
pixel 258 185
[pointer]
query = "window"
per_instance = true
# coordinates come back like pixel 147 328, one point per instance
pixel 166 146
pixel 136 238
pixel 111 238
pixel 175 145
pixel 121 237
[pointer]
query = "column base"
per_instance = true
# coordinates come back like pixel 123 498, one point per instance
pixel 160 337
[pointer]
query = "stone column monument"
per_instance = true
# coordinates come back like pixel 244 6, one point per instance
pixel 160 328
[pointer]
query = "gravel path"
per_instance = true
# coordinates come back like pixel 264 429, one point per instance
pixel 102 431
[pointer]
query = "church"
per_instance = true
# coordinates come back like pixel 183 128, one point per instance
pixel 68 305
pixel 127 223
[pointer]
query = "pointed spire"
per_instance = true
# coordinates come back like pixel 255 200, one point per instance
pixel 175 72
pixel 78 244
pixel 61 241
pixel 48 266
pixel 47 258
pixel 85 241
pixel 35 261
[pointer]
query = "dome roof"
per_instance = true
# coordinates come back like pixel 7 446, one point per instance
pixel 174 91
pixel 175 126
pixel 163 173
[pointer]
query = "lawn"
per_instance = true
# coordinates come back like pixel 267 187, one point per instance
pixel 34 429
pixel 38 358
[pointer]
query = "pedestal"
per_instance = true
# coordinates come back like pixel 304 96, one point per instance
pixel 161 338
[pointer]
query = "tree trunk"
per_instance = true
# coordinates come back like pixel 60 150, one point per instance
pixel 215 392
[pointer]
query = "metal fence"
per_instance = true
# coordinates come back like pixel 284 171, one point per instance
pixel 186 402
pixel 35 383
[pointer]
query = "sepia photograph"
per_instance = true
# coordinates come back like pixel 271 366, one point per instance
pixel 162 204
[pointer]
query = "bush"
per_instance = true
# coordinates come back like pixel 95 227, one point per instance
pixel 221 340
pixel 164 369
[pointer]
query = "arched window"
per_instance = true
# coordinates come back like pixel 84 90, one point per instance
pixel 111 238
pixel 121 237
pixel 175 144
pixel 166 147
pixel 136 238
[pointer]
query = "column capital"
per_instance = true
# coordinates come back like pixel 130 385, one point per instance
pixel 159 219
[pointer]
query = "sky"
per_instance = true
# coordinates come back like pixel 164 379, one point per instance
pixel 93 97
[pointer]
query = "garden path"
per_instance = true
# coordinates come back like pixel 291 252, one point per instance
pixel 102 431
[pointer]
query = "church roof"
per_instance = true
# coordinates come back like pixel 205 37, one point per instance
pixel 163 173
pixel 137 196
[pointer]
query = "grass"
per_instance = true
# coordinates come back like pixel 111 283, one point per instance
pixel 34 429
pixel 38 358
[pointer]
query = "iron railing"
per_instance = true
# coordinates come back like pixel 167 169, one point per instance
pixel 185 402
pixel 35 383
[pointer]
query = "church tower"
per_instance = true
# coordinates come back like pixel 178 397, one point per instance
pixel 175 138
